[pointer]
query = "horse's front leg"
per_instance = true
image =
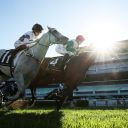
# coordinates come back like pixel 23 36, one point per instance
pixel 33 92
pixel 20 90
pixel 19 78
pixel 66 93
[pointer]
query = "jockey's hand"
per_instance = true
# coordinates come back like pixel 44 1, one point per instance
pixel 21 47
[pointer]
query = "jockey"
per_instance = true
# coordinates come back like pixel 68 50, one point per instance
pixel 29 37
pixel 70 48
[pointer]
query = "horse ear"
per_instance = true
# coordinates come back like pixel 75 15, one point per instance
pixel 48 27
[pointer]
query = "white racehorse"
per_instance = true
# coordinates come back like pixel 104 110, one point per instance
pixel 27 62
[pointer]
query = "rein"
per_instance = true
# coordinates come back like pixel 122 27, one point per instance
pixel 49 40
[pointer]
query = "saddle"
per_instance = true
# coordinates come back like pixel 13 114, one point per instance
pixel 7 58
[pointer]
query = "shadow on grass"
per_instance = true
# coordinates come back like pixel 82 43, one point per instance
pixel 31 120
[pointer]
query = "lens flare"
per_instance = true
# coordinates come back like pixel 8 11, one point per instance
pixel 105 48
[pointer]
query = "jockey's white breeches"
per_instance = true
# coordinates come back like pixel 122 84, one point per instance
pixel 62 50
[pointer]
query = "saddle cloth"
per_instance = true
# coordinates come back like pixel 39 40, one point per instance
pixel 6 58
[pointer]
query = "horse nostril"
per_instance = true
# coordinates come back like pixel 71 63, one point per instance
pixel 65 38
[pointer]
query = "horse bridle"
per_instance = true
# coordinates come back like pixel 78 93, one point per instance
pixel 50 33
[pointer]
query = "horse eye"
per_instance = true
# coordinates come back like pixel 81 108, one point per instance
pixel 55 31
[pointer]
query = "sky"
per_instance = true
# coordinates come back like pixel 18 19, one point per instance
pixel 98 20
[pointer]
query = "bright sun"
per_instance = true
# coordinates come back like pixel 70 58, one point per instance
pixel 103 37
pixel 105 48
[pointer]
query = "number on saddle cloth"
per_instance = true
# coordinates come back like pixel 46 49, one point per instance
pixel 55 63
pixel 6 59
pixel 58 62
pixel 8 88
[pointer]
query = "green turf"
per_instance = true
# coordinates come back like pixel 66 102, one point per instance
pixel 66 118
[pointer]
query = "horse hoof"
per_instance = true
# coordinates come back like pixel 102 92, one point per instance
pixel 57 110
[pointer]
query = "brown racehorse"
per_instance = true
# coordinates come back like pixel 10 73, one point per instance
pixel 73 73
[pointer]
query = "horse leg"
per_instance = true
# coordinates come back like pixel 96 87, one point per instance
pixel 32 102
pixel 60 102
pixel 66 95
pixel 3 78
pixel 20 85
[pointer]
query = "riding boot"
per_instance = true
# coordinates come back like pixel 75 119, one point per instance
pixel 65 58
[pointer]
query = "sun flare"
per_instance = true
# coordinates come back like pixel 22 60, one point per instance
pixel 105 48
pixel 103 37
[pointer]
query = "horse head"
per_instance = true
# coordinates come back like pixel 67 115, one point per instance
pixel 56 37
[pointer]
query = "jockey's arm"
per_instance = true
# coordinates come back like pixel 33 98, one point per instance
pixel 21 43
pixel 25 45
pixel 18 44
pixel 21 47
pixel 69 47
pixel 32 43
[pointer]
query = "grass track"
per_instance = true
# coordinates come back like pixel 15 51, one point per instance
pixel 66 118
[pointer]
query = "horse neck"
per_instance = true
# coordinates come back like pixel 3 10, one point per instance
pixel 40 48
